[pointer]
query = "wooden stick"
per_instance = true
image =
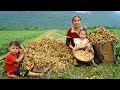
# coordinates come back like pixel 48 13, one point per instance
pixel 46 69
pixel 2 57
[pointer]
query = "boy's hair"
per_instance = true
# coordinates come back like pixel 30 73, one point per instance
pixel 74 17
pixel 16 43
pixel 83 29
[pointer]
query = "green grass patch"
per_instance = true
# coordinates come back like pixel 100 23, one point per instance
pixel 21 36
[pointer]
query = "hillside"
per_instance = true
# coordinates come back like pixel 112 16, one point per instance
pixel 57 19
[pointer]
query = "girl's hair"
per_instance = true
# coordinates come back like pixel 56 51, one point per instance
pixel 16 43
pixel 74 17
pixel 83 29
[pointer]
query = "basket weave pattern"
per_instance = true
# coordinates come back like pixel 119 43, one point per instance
pixel 82 56
pixel 105 52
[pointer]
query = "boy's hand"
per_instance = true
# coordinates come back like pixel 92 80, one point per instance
pixel 25 50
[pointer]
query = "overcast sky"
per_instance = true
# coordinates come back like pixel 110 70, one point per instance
pixel 89 12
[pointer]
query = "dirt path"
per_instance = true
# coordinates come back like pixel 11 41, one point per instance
pixel 54 34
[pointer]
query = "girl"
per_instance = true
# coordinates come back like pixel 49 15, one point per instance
pixel 83 43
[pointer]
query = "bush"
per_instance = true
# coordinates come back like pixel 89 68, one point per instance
pixel 118 54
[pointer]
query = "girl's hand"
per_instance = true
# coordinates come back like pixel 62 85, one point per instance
pixel 73 49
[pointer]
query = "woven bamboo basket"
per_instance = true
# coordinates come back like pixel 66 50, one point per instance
pixel 105 52
pixel 83 56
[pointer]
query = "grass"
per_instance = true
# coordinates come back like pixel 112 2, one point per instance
pixel 103 71
pixel 21 36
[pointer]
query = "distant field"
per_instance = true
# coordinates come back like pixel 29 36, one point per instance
pixel 21 36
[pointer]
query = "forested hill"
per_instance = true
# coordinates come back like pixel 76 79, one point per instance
pixel 57 19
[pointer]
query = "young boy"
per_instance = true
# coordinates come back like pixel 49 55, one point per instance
pixel 13 60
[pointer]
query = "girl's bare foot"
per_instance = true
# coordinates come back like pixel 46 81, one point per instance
pixel 95 65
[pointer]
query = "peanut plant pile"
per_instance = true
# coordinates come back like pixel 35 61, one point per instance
pixel 102 36
pixel 47 52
